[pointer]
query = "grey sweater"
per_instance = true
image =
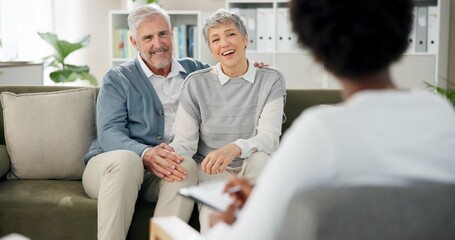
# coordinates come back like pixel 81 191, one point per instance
pixel 231 111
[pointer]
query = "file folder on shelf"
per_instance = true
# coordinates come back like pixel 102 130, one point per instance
pixel 412 35
pixel 265 30
pixel 421 29
pixel 251 27
pixel 285 37
pixel 433 25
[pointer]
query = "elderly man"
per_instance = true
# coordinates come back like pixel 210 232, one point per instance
pixel 135 112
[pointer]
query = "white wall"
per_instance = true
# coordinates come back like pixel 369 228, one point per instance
pixel 76 18
pixel 451 74
pixel 91 17
pixel 203 5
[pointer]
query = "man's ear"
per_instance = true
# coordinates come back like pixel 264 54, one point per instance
pixel 134 42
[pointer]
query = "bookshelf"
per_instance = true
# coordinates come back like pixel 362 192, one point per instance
pixel 118 25
pixel 301 71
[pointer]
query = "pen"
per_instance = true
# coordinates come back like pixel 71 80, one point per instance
pixel 233 190
pixel 237 188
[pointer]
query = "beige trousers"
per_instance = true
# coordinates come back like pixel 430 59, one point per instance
pixel 251 168
pixel 117 179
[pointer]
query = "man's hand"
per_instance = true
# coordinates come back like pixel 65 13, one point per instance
pixel 216 161
pixel 162 161
pixel 260 64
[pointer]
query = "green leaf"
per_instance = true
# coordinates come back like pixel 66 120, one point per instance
pixel 448 93
pixel 66 72
pixel 89 77
pixel 77 69
pixel 63 76
pixel 62 47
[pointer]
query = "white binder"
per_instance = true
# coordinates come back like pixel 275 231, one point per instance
pixel 265 29
pixel 412 35
pixel 421 29
pixel 285 37
pixel 433 25
pixel 251 28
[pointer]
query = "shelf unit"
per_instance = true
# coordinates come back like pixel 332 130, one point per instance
pixel 301 71
pixel 21 73
pixel 119 19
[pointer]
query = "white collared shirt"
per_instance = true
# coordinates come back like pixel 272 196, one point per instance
pixel 168 90
pixel 248 76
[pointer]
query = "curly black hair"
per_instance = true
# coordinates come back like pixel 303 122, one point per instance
pixel 353 38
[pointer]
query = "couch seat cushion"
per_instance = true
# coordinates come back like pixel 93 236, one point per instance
pixel 33 207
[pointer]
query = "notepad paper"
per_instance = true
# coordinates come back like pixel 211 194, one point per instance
pixel 210 194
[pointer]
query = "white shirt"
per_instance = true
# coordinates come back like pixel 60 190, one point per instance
pixel 392 137
pixel 168 90
pixel 268 128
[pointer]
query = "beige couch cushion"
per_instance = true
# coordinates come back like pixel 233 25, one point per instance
pixel 47 134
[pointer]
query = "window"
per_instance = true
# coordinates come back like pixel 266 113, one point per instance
pixel 20 20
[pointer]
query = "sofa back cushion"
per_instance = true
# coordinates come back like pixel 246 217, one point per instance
pixel 48 133
pixel 297 100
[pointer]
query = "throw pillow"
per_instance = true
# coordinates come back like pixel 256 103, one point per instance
pixel 48 133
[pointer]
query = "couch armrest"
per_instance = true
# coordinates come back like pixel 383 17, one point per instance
pixel 171 228
pixel 4 161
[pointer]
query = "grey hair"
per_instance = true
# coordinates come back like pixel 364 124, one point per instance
pixel 138 15
pixel 223 16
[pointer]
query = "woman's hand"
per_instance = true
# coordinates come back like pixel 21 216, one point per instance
pixel 216 161
pixel 239 189
pixel 228 216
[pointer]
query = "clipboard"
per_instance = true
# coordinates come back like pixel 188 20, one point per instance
pixel 210 194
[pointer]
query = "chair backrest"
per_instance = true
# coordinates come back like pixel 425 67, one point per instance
pixel 422 212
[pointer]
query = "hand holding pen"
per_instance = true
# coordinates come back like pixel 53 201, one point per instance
pixel 239 189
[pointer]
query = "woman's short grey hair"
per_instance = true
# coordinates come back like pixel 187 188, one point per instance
pixel 138 15
pixel 222 16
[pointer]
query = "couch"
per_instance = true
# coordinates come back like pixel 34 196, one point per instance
pixel 45 205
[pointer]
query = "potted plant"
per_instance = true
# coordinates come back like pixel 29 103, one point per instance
pixel 66 72
pixel 448 93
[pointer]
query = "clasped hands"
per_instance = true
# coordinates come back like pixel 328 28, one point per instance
pixel 164 162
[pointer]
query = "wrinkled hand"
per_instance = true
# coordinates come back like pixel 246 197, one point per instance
pixel 228 216
pixel 240 197
pixel 216 161
pixel 162 161
pixel 260 64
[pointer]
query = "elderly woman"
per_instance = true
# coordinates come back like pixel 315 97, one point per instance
pixel 229 118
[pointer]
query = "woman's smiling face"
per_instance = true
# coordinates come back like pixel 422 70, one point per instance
pixel 227 44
